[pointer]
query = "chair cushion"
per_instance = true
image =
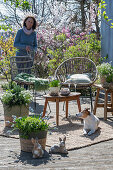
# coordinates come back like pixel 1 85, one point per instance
pixel 78 78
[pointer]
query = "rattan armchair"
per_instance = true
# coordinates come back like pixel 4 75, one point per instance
pixel 77 65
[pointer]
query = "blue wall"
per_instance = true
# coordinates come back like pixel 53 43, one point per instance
pixel 107 33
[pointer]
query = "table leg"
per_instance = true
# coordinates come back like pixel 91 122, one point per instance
pixel 78 103
pixel 96 101
pixel 112 101
pixel 105 105
pixel 45 106
pixel 57 112
pixel 66 108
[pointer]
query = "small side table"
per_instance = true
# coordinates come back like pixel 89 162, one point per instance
pixel 57 99
pixel 108 107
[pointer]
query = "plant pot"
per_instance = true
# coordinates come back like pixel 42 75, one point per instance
pixel 54 91
pixel 27 145
pixel 102 79
pixel 17 110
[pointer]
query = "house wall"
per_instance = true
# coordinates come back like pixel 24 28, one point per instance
pixel 107 33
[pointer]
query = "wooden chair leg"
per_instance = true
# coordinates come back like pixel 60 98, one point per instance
pixel 96 101
pixel 105 105
pixel 91 99
pixel 45 106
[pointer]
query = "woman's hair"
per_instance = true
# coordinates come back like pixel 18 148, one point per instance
pixel 34 24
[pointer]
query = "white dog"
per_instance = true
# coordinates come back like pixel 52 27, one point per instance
pixel 91 122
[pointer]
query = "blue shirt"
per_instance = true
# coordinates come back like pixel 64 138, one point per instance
pixel 22 40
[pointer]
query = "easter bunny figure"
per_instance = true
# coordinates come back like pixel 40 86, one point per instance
pixel 37 149
pixel 59 148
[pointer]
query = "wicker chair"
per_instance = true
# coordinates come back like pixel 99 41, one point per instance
pixel 77 65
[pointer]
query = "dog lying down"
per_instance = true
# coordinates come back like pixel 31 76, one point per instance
pixel 91 122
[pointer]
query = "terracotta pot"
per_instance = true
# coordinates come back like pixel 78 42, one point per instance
pixel 102 79
pixel 17 110
pixel 27 145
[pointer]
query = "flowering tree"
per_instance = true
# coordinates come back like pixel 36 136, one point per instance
pixel 58 36
pixel 57 13
pixel 7 50
pixel 59 45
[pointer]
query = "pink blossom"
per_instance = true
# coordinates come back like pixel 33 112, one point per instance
pixel 82 33
pixel 77 36
pixel 77 31
pixel 63 30
pixel 67 35
pixel 73 36
pixel 43 31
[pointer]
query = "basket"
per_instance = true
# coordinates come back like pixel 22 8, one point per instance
pixel 27 145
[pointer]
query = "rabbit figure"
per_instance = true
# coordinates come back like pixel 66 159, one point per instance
pixel 59 148
pixel 37 149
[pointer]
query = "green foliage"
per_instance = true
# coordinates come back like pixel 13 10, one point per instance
pixel 8 50
pixel 26 125
pixel 54 83
pixel 25 5
pixel 101 11
pixel 106 70
pixel 16 96
pixel 89 47
pixel 86 46
pixel 57 59
pixel 60 37
pixel 9 85
pixel 39 83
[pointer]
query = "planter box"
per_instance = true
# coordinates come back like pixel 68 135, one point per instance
pixel 18 111
pixel 27 145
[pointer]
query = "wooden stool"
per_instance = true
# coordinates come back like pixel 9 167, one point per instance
pixel 57 99
pixel 108 107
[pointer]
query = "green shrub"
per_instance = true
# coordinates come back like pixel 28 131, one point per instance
pixel 9 85
pixel 16 96
pixel 54 83
pixel 26 125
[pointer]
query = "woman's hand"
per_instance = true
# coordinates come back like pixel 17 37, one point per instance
pixel 28 48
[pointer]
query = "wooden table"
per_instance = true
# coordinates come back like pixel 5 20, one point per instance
pixel 57 99
pixel 108 107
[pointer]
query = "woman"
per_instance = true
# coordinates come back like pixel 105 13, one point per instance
pixel 26 42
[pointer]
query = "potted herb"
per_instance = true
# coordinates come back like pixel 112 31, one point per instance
pixel 15 102
pixel 54 87
pixel 31 127
pixel 105 71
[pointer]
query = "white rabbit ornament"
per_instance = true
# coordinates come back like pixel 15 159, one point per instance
pixel 59 148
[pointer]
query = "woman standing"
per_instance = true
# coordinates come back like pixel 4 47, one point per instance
pixel 26 41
